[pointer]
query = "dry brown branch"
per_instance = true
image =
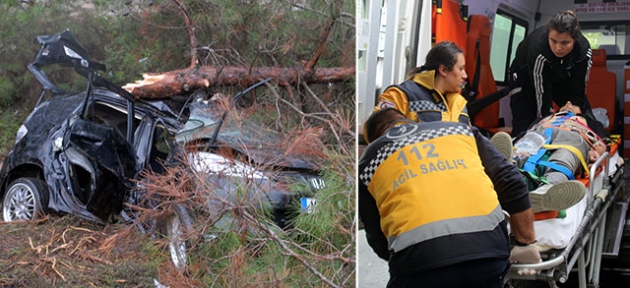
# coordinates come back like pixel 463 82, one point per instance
pixel 81 244
pixel 66 264
pixel 39 248
pixel 323 39
pixel 18 263
pixel 109 243
pixel 79 229
pixel 290 93
pixel 52 261
pixel 17 223
pixel 332 129
pixel 286 249
pixel 87 256
pixel 336 117
pixel 333 257
pixel 63 246
pixel 306 142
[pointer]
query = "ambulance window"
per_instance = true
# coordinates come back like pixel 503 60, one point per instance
pixel 610 36
pixel 507 33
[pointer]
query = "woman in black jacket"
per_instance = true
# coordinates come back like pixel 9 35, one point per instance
pixel 551 65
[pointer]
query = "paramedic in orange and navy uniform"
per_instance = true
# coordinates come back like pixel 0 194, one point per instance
pixel 431 92
pixel 430 208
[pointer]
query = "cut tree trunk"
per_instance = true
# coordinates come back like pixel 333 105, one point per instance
pixel 184 81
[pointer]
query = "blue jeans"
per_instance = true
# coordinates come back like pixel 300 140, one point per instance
pixel 482 273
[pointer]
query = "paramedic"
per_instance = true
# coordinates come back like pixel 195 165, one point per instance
pixel 551 171
pixel 429 207
pixel 431 92
pixel 551 64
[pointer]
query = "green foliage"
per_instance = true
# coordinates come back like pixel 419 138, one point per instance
pixel 7 91
pixel 331 218
pixel 10 121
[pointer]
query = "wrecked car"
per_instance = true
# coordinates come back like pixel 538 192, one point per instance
pixel 83 152
pixel 261 153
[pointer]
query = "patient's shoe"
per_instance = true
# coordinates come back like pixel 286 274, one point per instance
pixel 557 196
pixel 503 142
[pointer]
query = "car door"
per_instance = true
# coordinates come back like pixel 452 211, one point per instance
pixel 100 159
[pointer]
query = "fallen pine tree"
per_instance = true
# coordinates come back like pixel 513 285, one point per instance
pixel 159 85
pixel 166 84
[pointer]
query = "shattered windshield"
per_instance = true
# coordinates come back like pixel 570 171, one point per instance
pixel 207 116
pixel 261 144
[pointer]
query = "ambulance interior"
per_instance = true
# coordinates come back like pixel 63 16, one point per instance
pixel 394 36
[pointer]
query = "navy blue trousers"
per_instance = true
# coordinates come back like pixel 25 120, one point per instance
pixel 483 273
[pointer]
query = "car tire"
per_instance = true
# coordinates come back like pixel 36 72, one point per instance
pixel 175 228
pixel 26 199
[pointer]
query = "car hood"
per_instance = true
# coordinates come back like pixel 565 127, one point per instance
pixel 260 144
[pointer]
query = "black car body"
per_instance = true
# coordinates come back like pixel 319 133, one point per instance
pixel 81 152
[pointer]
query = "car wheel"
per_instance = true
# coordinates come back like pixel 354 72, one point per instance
pixel 25 199
pixel 175 228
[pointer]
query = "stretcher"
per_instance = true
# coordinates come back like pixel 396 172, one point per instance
pixel 577 242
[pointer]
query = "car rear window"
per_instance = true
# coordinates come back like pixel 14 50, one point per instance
pixel 59 109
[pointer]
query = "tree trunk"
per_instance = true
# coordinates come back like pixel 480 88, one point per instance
pixel 187 80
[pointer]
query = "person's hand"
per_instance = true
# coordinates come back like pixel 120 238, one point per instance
pixel 521 154
pixel 525 255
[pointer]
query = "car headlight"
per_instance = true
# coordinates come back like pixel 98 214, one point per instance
pixel 21 133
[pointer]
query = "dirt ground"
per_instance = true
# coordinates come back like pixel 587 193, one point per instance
pixel 70 252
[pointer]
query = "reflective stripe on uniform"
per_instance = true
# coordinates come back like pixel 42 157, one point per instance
pixel 446 227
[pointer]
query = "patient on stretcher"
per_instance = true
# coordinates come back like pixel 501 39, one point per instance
pixel 569 147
